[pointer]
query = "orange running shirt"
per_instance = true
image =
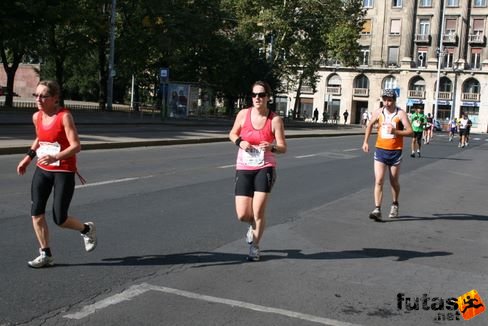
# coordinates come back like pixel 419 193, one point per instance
pixel 385 140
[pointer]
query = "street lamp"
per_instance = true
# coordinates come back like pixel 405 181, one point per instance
pixel 440 56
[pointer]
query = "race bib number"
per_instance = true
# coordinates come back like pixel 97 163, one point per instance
pixel 416 123
pixel 384 132
pixel 253 157
pixel 46 148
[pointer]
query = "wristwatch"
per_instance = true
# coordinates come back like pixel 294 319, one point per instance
pixel 273 149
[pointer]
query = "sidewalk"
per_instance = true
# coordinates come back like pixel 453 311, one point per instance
pixel 100 130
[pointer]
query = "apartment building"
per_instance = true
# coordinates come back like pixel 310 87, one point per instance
pixel 411 46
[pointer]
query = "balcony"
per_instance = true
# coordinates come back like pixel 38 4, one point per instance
pixel 363 92
pixel 450 38
pixel 422 38
pixel 476 39
pixel 445 96
pixel 413 93
pixel 334 90
pixel 306 89
pixel 470 97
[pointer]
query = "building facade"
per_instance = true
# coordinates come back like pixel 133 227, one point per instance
pixel 433 52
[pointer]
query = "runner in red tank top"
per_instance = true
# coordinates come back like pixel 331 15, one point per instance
pixel 259 134
pixel 56 145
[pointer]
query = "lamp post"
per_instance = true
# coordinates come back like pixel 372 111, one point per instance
pixel 440 56
pixel 111 71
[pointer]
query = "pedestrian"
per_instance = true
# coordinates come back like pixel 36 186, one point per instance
pixel 315 115
pixel 468 131
pixel 428 129
pixel 56 145
pixel 335 117
pixel 463 130
pixel 259 134
pixel 345 114
pixel 393 125
pixel 418 121
pixel 453 124
pixel 365 118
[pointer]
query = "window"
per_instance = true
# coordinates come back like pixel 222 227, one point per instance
pixel 368 3
pixel 389 82
pixel 424 26
pixel 475 59
pixel 366 27
pixel 396 3
pixel 393 56
pixel 448 60
pixel 395 27
pixel 450 30
pixel 479 3
pixel 471 86
pixel 422 57
pixel 361 82
pixel 478 30
pixel 425 3
pixel 364 59
pixel 453 3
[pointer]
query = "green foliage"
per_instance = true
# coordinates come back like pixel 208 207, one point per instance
pixel 223 44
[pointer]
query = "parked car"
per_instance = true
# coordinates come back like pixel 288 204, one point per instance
pixel 437 125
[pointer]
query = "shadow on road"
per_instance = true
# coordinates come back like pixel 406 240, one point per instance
pixel 205 259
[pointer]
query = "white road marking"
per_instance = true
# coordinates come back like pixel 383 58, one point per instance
pixel 305 156
pixel 137 290
pixel 226 166
pixel 112 181
pixel 351 149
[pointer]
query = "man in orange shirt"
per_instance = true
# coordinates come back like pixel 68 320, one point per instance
pixel 393 125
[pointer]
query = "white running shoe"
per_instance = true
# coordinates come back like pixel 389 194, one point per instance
pixel 249 235
pixel 375 215
pixel 393 211
pixel 42 261
pixel 253 253
pixel 90 238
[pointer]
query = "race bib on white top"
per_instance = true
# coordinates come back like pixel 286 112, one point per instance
pixel 384 131
pixel 253 157
pixel 46 148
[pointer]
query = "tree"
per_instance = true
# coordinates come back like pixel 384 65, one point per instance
pixel 18 37
pixel 300 34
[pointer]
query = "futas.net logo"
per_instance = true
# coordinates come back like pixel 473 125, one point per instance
pixel 467 306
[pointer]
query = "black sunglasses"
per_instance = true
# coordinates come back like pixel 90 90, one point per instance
pixel 41 96
pixel 260 95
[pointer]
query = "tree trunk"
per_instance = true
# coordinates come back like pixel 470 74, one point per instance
pixel 297 99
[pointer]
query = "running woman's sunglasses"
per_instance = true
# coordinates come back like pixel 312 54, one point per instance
pixel 260 95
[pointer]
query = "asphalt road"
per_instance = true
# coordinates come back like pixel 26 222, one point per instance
pixel 172 253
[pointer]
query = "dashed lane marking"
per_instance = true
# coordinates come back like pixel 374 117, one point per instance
pixel 139 289
pixel 94 184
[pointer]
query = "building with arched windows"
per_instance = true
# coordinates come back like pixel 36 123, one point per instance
pixel 410 46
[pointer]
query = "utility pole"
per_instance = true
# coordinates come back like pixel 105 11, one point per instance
pixel 111 71
pixel 440 56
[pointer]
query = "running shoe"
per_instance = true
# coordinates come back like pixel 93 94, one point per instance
pixel 249 235
pixel 413 154
pixel 90 238
pixel 375 215
pixel 418 153
pixel 393 211
pixel 253 253
pixel 42 261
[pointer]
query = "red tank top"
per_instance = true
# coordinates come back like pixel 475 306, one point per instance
pixel 52 139
pixel 255 137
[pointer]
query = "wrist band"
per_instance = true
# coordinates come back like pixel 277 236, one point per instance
pixel 31 153
pixel 274 149
pixel 238 142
